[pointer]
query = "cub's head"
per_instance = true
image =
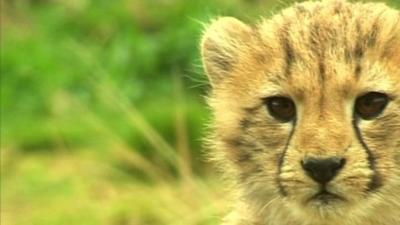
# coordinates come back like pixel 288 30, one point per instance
pixel 307 108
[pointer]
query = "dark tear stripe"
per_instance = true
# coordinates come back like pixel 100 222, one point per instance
pixel 376 181
pixel 282 159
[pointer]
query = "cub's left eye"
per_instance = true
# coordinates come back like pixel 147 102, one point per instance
pixel 281 108
pixel 371 105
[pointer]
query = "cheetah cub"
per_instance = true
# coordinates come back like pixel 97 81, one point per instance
pixel 307 114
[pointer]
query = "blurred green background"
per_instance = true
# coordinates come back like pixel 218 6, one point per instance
pixel 103 111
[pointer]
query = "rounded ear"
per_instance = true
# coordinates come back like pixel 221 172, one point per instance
pixel 222 41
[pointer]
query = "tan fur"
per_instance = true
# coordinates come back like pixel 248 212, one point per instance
pixel 323 55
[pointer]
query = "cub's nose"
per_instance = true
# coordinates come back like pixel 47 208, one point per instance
pixel 323 170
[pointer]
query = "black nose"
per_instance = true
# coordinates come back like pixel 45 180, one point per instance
pixel 323 170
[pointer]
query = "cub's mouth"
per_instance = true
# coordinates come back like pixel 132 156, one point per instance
pixel 325 197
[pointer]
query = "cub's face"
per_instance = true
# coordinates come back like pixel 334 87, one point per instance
pixel 307 107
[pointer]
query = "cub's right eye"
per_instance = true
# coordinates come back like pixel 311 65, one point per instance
pixel 281 108
pixel 371 105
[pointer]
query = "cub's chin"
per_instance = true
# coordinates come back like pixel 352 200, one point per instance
pixel 322 208
pixel 325 203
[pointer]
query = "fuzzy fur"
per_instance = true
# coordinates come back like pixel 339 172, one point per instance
pixel 323 55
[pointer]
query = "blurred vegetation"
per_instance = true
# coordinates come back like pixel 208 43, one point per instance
pixel 102 111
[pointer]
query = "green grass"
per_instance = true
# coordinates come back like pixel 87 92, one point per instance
pixel 102 111
pixel 79 189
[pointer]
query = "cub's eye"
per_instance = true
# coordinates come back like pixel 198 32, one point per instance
pixel 371 105
pixel 281 108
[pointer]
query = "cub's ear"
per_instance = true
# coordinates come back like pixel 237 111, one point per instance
pixel 221 44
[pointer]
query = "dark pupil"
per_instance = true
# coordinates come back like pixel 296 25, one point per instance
pixel 281 108
pixel 370 105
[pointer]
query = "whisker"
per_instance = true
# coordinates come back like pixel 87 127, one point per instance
pixel 268 204
pixel 291 181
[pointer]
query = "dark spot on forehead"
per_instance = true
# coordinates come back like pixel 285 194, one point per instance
pixel 358 52
pixel 289 56
pixel 358 70
pixel 321 67
pixel 287 47
pixel 373 34
pixel 300 8
pixel 359 49
pixel 338 7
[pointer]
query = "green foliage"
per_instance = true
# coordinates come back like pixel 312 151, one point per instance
pixel 102 112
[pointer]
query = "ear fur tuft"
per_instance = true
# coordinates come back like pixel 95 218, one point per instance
pixel 220 46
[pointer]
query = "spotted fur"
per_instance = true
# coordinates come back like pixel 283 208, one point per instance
pixel 323 55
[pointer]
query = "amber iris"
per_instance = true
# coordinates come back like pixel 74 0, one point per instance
pixel 281 108
pixel 370 105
